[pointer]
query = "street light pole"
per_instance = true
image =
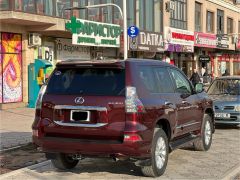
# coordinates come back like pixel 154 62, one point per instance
pixel 125 40
pixel 123 15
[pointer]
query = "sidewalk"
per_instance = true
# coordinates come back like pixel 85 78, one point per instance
pixel 15 127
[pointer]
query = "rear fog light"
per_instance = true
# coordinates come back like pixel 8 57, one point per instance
pixel 132 137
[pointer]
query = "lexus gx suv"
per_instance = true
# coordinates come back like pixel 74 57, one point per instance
pixel 137 110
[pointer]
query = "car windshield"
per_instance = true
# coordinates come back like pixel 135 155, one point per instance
pixel 225 86
pixel 87 81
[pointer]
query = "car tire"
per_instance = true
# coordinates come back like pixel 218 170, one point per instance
pixel 205 141
pixel 64 161
pixel 159 155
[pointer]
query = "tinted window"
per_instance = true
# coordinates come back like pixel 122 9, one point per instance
pixel 182 84
pixel 147 78
pixel 225 86
pixel 164 81
pixel 89 81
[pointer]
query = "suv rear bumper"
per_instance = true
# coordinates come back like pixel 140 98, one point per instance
pixel 139 149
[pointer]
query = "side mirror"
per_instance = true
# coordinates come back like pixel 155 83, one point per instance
pixel 199 87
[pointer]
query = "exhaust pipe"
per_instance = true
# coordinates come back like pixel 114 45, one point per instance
pixel 77 157
pixel 115 159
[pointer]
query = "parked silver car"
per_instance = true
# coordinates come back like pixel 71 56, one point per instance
pixel 225 92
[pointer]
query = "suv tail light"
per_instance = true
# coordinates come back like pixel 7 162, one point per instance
pixel 39 106
pixel 132 102
pixel 40 96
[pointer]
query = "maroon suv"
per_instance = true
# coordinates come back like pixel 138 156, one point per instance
pixel 136 109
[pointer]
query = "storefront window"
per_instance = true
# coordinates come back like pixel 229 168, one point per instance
pixel 223 64
pixel 39 6
pixel 18 5
pixel 48 7
pixel 107 12
pixel 149 15
pixel 94 13
pixel 131 12
pixel 4 4
pixel 82 12
pixel 236 65
pixel 141 14
pixel 29 6
pixel 116 14
pixel 146 12
pixel 60 6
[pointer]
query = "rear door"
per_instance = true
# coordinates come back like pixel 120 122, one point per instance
pixel 86 102
pixel 189 113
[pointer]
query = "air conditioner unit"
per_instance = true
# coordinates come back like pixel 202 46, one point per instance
pixel 170 6
pixel 34 39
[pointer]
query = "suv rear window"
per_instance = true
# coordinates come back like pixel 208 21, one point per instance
pixel 87 81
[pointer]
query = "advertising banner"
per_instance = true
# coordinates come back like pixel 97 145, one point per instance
pixel 222 41
pixel 205 40
pixel 178 40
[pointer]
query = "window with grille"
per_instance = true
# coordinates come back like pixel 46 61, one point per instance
pixel 210 21
pixel 198 17
pixel 229 25
pixel 178 17
pixel 220 22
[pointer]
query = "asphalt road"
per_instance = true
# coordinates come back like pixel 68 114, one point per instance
pixel 217 163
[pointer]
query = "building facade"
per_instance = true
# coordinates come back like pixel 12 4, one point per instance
pixel 201 34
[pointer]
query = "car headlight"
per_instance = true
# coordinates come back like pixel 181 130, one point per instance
pixel 237 108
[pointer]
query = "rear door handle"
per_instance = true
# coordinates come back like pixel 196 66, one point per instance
pixel 168 103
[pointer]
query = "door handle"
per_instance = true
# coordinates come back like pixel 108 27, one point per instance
pixel 168 103
pixel 184 102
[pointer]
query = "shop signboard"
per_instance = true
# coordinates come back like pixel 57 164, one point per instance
pixel 66 50
pixel 91 33
pixel 178 40
pixel 205 40
pixel 147 41
pixel 204 58
pixel 222 41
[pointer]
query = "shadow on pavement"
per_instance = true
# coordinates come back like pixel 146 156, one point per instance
pixel 98 165
pixel 12 139
pixel 226 126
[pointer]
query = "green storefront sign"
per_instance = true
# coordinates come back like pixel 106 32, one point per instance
pixel 92 33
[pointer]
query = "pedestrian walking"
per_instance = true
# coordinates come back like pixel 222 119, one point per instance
pixel 195 78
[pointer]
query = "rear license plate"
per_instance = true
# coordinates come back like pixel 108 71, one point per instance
pixel 79 116
pixel 222 115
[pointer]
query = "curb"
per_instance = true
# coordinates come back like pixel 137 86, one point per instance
pixel 14 147
pixel 8 175
pixel 232 173
pixel 11 148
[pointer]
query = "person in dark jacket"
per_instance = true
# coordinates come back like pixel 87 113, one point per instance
pixel 195 78
pixel 226 73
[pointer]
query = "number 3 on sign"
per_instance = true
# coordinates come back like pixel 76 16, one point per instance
pixel 133 31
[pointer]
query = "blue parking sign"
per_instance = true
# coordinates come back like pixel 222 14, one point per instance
pixel 133 31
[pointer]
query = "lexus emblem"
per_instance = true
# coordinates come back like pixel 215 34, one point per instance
pixel 79 100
